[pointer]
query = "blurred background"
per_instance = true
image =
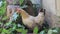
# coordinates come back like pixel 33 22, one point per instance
pixel 11 23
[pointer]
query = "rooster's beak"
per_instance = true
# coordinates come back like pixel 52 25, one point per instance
pixel 17 10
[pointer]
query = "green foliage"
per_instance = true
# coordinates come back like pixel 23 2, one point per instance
pixel 21 1
pixel 4 18
pixel 3 0
pixel 24 31
pixel 42 32
pixel 3 8
pixel 50 31
pixel 4 31
pixel 35 31
pixel 21 30
pixel 0 30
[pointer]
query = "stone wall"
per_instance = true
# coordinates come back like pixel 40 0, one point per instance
pixel 50 16
pixel 58 12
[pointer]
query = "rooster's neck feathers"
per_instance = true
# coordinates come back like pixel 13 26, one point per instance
pixel 24 14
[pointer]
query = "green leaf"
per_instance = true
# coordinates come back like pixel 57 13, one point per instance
pixel 3 8
pixel 0 22
pixel 2 33
pixel 35 31
pixel 50 31
pixel 19 30
pixel 14 27
pixel 14 16
pixel 5 31
pixel 0 29
pixel 10 29
pixel 42 32
pixel 24 31
pixel 4 18
pixel 8 23
pixel 21 1
pixel 55 31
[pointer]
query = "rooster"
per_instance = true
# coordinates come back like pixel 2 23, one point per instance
pixel 31 21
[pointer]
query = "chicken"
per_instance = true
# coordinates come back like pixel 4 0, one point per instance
pixel 31 21
pixel 39 19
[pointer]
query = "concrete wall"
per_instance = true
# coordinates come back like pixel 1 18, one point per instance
pixel 58 7
pixel 58 12
pixel 50 7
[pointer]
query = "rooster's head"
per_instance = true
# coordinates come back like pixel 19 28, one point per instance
pixel 19 10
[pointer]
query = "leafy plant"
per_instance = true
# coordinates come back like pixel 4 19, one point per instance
pixel 42 32
pixel 5 18
pixel 21 1
pixel 21 30
pixel 3 8
pixel 35 31
pixel 4 31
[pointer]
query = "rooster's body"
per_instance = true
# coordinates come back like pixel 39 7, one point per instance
pixel 40 18
pixel 31 21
